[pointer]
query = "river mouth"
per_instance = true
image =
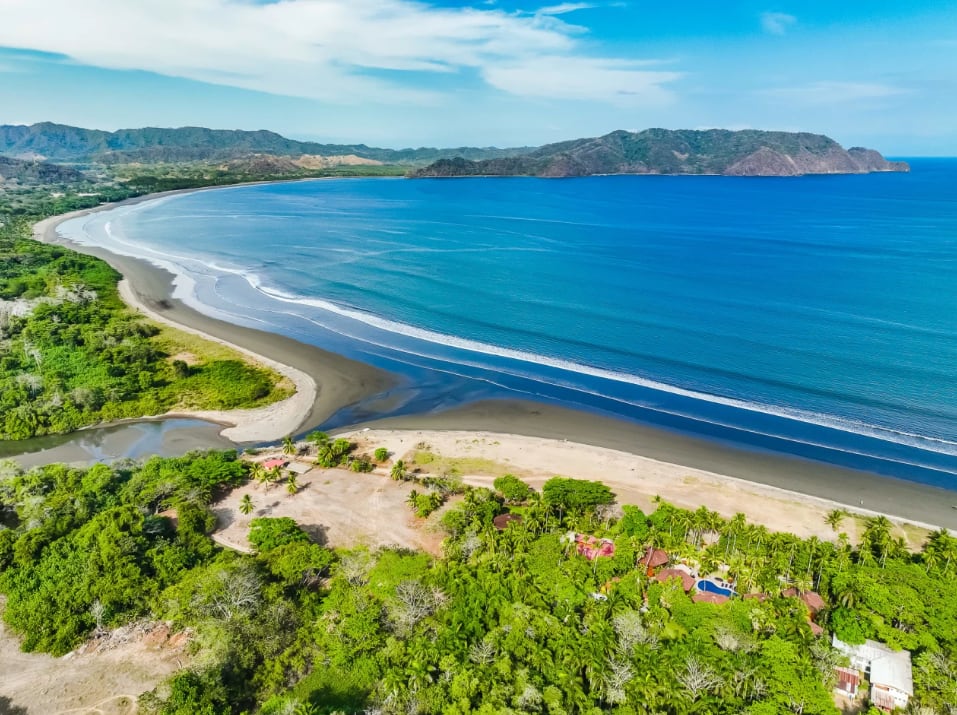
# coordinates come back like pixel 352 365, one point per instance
pixel 170 437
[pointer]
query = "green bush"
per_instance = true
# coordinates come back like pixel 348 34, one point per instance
pixel 268 533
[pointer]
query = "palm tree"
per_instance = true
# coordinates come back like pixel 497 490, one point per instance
pixel 246 505
pixel 398 470
pixel 410 500
pixel 257 472
pixel 292 483
pixel 877 537
pixel 288 445
pixel 320 439
pixel 835 518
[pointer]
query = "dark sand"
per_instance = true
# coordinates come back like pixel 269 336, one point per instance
pixel 343 382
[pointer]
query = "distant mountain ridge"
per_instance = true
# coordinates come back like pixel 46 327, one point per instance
pixel 62 143
pixel 665 151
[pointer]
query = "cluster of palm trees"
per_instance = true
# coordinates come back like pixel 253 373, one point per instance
pixel 274 475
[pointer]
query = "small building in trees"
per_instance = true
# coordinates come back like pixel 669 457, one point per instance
pixel 502 521
pixel 275 462
pixel 591 547
pixel 848 680
pixel 815 604
pixel 687 581
pixel 889 671
pixel 707 597
pixel 652 559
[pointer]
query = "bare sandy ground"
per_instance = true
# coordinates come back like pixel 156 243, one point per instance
pixel 102 683
pixel 634 479
pixel 338 508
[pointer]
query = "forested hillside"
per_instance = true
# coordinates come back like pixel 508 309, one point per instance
pixel 663 151
pixel 516 620
pixel 58 142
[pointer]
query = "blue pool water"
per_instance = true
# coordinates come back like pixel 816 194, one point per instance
pixel 706 586
pixel 814 316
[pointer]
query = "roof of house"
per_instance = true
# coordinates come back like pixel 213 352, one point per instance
pixel 889 668
pixel 883 699
pixel 893 669
pixel 275 462
pixel 666 574
pixel 592 547
pixel 847 677
pixel 706 597
pixel 503 520
pixel 654 558
pixel 815 628
pixel 812 600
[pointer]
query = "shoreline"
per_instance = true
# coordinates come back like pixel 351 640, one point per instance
pixel 793 477
pixel 325 382
pixel 635 478
pixel 342 381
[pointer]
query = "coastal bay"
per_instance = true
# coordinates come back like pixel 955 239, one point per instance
pixel 345 383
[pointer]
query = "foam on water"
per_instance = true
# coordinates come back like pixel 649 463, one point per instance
pixel 207 282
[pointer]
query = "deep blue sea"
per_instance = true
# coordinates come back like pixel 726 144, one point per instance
pixel 814 316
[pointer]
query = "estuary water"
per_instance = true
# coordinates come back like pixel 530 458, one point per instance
pixel 812 316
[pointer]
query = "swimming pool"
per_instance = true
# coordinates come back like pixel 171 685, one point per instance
pixel 708 586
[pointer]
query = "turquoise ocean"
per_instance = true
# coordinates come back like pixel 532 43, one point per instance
pixel 812 316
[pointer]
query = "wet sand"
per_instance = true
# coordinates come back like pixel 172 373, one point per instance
pixel 343 382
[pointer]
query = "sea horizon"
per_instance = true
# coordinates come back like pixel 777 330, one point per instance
pixel 357 306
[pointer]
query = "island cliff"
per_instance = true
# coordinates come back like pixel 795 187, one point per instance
pixel 663 151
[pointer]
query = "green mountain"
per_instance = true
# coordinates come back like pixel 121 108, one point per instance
pixel 58 142
pixel 664 151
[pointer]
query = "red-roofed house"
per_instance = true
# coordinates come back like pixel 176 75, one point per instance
pixel 502 521
pixel 653 559
pixel 687 581
pixel 848 680
pixel 592 547
pixel 706 597
pixel 275 462
pixel 812 600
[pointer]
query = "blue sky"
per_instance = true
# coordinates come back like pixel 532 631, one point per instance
pixel 878 73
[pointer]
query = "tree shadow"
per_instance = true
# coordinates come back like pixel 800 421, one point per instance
pixel 8 708
pixel 319 533
pixel 224 517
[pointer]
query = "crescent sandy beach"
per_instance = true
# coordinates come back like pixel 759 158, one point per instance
pixel 639 461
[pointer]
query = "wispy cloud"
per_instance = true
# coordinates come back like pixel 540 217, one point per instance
pixel 564 8
pixel 338 50
pixel 619 81
pixel 828 92
pixel 777 23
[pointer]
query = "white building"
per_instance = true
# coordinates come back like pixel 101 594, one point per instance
pixel 889 671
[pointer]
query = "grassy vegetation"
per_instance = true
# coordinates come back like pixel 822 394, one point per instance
pixel 456 466
pixel 263 385
pixel 72 354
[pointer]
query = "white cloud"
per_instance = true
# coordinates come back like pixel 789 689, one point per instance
pixel 620 81
pixel 777 23
pixel 338 50
pixel 564 8
pixel 827 92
